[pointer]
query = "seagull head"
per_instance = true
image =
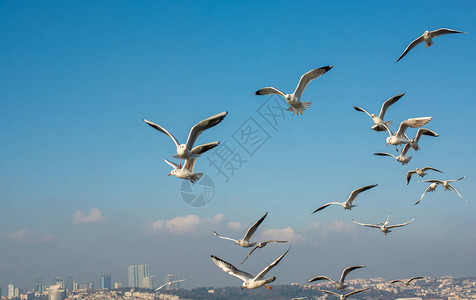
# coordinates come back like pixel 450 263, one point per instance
pixel 388 141
pixel 183 146
pixel 173 172
pixel 245 284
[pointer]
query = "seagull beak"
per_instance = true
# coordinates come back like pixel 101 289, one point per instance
pixel 268 287
pixel 388 144
pixel 170 174
pixel 242 287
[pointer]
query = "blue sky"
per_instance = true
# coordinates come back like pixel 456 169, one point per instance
pixel 77 80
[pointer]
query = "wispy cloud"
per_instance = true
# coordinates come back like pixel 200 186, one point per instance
pixel 287 234
pixel 27 237
pixel 95 215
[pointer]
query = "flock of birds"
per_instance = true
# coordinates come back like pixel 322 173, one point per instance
pixel 189 154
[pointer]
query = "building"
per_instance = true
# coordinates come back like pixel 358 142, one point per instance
pixel 56 292
pixel 68 284
pixel 136 275
pixel 105 282
pixel 11 290
pixel 75 285
pixel 170 278
pixel 0 291
pixel 151 282
pixel 117 285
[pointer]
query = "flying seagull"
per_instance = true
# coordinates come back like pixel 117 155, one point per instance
pixel 250 281
pixel 420 132
pixel 294 99
pixel 169 283
pixel 339 284
pixel 186 150
pixel 245 241
pixel 347 204
pixel 399 137
pixel 427 38
pixel 379 120
pixel 186 171
pixel 384 227
pixel 420 172
pixel 446 185
pixel 401 158
pixel 343 297
pixel 408 281
pixel 261 245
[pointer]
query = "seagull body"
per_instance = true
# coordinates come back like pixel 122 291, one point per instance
pixel 402 158
pixel 384 227
pixel 427 37
pixel 420 172
pixel 249 281
pixel 349 203
pixel 399 137
pixel 261 245
pixel 245 241
pixel 380 124
pixel 294 99
pixel 446 185
pixel 338 284
pixel 430 188
pixel 408 281
pixel 169 283
pixel 342 296
pixel 186 151
pixel 420 132
pixel 186 171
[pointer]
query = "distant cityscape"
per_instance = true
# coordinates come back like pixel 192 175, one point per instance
pixel 141 285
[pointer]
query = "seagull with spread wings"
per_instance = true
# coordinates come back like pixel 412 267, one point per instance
pixel 379 120
pixel 245 241
pixel 169 283
pixel 446 185
pixel 186 171
pixel 338 284
pixel 420 132
pixel 427 37
pixel 185 151
pixel 294 99
pixel 384 227
pixel 399 137
pixel 408 281
pixel 344 297
pixel 402 158
pixel 349 203
pixel 249 281
pixel 420 172
pixel 261 245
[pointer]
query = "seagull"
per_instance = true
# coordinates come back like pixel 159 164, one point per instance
pixel 446 185
pixel 169 283
pixel 384 227
pixel 261 245
pixel 294 99
pixel 347 204
pixel 427 38
pixel 250 281
pixel 300 298
pixel 420 132
pixel 343 297
pixel 183 150
pixel 339 284
pixel 401 158
pixel 408 281
pixel 399 137
pixel 378 120
pixel 420 172
pixel 186 171
pixel 245 241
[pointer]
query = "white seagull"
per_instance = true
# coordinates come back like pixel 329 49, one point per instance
pixel 401 158
pixel 245 241
pixel 379 120
pixel 384 227
pixel 294 99
pixel 408 281
pixel 399 137
pixel 420 172
pixel 420 132
pixel 446 185
pixel 338 284
pixel 169 283
pixel 185 151
pixel 343 297
pixel 261 245
pixel 249 281
pixel 427 37
pixel 186 171
pixel 347 204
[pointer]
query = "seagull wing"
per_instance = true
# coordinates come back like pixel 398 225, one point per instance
pixel 230 269
pixel 308 77
pixel 270 91
pixel 324 206
pixel 163 130
pixel 432 181
pixel 443 31
pixel 400 225
pixel 405 149
pixel 202 126
pixel 411 46
pixel 409 176
pixel 258 246
pixel 317 278
pixel 430 168
pixel 422 195
pixel 358 191
pixel 190 163
pixel 175 281
pixel 160 287
pixel 253 228
pixel 223 237
pixel 355 292
pixel 413 123
pixel 368 225
pixel 454 189
pixel 389 103
pixel 425 131
pixel 330 293
pixel 173 165
pixel 414 278
pixel 362 110
pixel 204 148
pixel 252 250
pixel 455 179
pixel 398 280
pixel 348 270
pixel 384 154
pixel 272 265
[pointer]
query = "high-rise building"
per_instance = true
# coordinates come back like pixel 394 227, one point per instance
pixel 136 275
pixel 0 291
pixel 151 282
pixel 105 282
pixel 56 292
pixel 170 278
pixel 68 284
pixel 11 290
pixel 75 285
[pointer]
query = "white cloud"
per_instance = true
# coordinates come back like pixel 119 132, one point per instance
pixel 287 234
pixel 95 215
pixel 26 237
